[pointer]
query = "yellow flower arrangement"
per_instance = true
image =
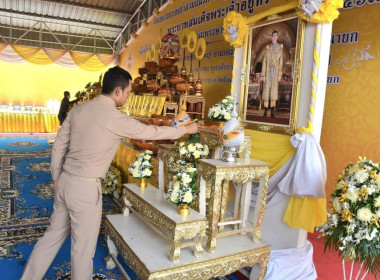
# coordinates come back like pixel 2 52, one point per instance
pixel 111 184
pixel 234 29
pixel 320 11
pixel 353 225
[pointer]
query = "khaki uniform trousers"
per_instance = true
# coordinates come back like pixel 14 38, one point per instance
pixel 77 208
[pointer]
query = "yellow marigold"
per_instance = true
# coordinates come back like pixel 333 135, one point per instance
pixel 327 12
pixel 234 29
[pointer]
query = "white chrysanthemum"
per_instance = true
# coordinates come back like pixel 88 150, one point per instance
pixel 361 175
pixel 377 202
pixel 336 204
pixel 191 148
pixel 353 196
pixel 137 163
pixel 198 145
pixel 227 116
pixel 186 178
pixel 147 157
pixel 197 154
pixel 340 184
pixel 216 114
pixel 182 151
pixel 135 173
pixel 191 169
pixel 174 197
pixel 364 214
pixel 176 185
pixel 188 197
pixel 147 172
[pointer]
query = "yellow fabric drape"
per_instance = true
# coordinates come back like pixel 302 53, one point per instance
pixel 2 46
pixel 276 149
pixel 305 213
pixel 54 54
pixel 33 55
pixel 26 122
pixel 89 62
pixel 272 148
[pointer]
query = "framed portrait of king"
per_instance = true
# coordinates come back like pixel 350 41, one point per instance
pixel 270 91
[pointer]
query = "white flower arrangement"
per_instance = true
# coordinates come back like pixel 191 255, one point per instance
pixel 193 150
pixel 222 111
pixel 142 166
pixel 111 185
pixel 354 219
pixel 183 187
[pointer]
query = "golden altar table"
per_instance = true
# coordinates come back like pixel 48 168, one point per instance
pixel 34 122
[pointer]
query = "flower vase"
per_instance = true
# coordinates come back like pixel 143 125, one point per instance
pixel 184 210
pixel 142 183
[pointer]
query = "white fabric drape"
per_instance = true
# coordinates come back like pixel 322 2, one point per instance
pixel 291 264
pixel 307 174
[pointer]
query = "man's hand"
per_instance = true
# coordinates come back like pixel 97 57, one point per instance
pixel 192 128
pixel 55 186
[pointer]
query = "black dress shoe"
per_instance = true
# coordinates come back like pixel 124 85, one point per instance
pixel 272 112
pixel 265 112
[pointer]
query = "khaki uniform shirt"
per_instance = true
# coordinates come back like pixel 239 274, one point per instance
pixel 88 139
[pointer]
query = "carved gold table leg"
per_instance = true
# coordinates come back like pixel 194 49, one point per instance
pixel 176 246
pixel 225 186
pixel 260 208
pixel 198 246
pixel 214 205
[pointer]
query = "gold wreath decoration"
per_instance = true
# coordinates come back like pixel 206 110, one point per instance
pixel 200 50
pixel 191 41
pixel 148 56
pixel 328 12
pixel 183 37
pixel 153 52
pixel 234 18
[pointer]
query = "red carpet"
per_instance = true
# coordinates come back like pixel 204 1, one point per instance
pixel 328 265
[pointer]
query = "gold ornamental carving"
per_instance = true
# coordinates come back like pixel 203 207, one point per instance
pixel 194 271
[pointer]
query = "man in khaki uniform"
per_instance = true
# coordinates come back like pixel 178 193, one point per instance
pixel 271 73
pixel 82 153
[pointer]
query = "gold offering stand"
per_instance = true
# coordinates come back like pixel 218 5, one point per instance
pixel 151 206
pixel 139 237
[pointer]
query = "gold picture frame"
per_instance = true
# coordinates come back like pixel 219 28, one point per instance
pixel 271 103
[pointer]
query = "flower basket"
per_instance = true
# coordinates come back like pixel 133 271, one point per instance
pixel 142 167
pixel 111 185
pixel 354 218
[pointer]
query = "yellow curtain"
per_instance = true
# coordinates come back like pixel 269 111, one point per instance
pixel 305 213
pixel 2 46
pixel 89 62
pixel 33 55
pixel 24 122
pixel 276 149
pixel 272 148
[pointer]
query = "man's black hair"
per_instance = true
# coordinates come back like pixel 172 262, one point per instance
pixel 66 93
pixel 275 31
pixel 115 77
